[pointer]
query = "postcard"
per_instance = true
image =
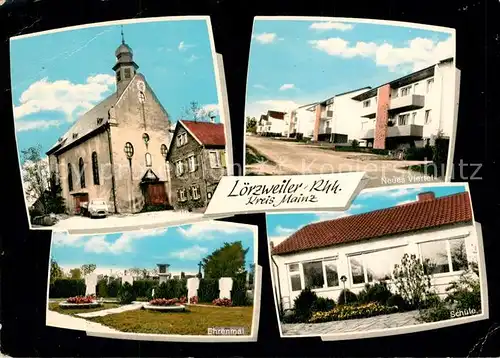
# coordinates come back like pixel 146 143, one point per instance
pixel 399 260
pixel 195 282
pixel 344 95
pixel 119 125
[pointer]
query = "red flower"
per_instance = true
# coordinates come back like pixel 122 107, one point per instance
pixel 81 299
pixel 225 302
pixel 193 300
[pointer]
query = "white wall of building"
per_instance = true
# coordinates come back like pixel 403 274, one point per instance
pixel 305 121
pixel 346 115
pixel 341 253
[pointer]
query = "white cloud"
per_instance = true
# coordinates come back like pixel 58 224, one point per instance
pixel 287 86
pixel 283 231
pixel 259 86
pixel 330 25
pixel 255 109
pixel 212 108
pixel 40 124
pixel 62 96
pixel 395 193
pixel 99 243
pixel 332 215
pixel 193 253
pixel 266 38
pixel 183 46
pixel 417 54
pixel 207 230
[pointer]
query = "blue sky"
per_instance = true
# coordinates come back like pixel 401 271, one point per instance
pixel 283 225
pixel 50 73
pixel 294 62
pixel 181 246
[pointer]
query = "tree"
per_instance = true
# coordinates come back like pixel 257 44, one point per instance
pixel 135 271
pixel 55 271
pixel 76 273
pixel 88 269
pixel 251 125
pixel 412 281
pixel 145 273
pixel 194 112
pixel 251 275
pixel 227 261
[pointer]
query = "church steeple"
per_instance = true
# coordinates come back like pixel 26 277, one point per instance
pixel 125 67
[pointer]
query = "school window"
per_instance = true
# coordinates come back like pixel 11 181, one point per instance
pixel 430 83
pixel 215 161
pixel 192 163
pixel 374 266
pixel 366 103
pixel 314 274
pixel 428 118
pixel 444 256
pixel 179 168
pixel 294 273
pixel 403 119
pixel 195 192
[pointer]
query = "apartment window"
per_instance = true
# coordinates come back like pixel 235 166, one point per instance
pixel 415 88
pixel 149 161
pixel 127 73
pixel 444 256
pixel 403 119
pixel 430 83
pixel 366 103
pixel 215 161
pixel 70 177
pixel 95 168
pixel 374 266
pixel 179 167
pixel 294 273
pixel 192 163
pixel 413 117
pixel 195 192
pixel 182 195
pixel 405 91
pixel 81 171
pixel 428 118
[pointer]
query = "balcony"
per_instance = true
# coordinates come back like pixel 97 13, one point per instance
pixel 406 103
pixel 370 111
pixel 410 130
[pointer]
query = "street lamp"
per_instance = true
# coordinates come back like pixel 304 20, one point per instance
pixel 344 279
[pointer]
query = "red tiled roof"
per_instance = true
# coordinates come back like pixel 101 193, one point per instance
pixel 430 213
pixel 207 133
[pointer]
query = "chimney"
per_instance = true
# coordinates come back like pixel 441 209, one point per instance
pixel 426 196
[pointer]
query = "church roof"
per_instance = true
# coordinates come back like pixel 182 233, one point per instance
pixel 207 133
pixel 95 118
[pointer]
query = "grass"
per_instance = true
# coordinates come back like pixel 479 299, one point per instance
pixel 195 321
pixel 73 311
pixel 253 156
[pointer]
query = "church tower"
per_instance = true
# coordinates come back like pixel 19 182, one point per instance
pixel 125 67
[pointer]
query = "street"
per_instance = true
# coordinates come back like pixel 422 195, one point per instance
pixel 298 158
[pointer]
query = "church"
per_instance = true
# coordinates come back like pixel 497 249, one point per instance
pixel 117 151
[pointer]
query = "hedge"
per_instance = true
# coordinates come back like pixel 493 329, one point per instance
pixel 142 288
pixel 172 289
pixel 67 287
pixel 208 290
pixel 239 291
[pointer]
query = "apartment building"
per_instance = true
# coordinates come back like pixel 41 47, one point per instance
pixel 272 123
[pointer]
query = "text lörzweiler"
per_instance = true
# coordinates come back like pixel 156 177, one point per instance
pixel 285 192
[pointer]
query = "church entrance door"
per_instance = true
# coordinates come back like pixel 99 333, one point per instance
pixel 156 194
pixel 79 200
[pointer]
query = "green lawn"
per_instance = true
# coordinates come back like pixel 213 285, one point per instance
pixel 72 311
pixel 253 156
pixel 194 321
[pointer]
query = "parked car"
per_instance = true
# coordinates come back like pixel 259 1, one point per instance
pixel 97 208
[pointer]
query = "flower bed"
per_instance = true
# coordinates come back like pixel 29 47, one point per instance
pixel 343 312
pixel 225 302
pixel 193 300
pixel 81 299
pixel 165 302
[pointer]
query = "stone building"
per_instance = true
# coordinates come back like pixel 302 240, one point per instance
pixel 197 161
pixel 117 150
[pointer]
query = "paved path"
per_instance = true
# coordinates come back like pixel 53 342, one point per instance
pixel 296 158
pixel 114 223
pixel 125 308
pixel 55 319
pixel 352 325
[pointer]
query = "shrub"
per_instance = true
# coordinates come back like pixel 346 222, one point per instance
pixel 397 301
pixel 239 291
pixel 303 304
pixel 432 299
pixel 142 288
pixel 81 299
pixel 440 152
pixel 354 144
pixel 380 151
pixel 378 292
pixel 208 290
pixel 165 302
pixel 289 318
pixel 171 289
pixel 323 304
pixel 102 288
pixel 422 153
pixel 348 298
pixel 225 302
pixel 438 312
pixel 465 292
pixel 193 300
pixel 114 286
pixel 65 287
pixel 343 312
pixel 126 294
pixel 411 280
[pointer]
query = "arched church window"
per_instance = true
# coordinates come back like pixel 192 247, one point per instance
pixel 145 138
pixel 164 150
pixel 129 150
pixel 127 73
pixel 149 161
pixel 70 177
pixel 81 170
pixel 95 168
